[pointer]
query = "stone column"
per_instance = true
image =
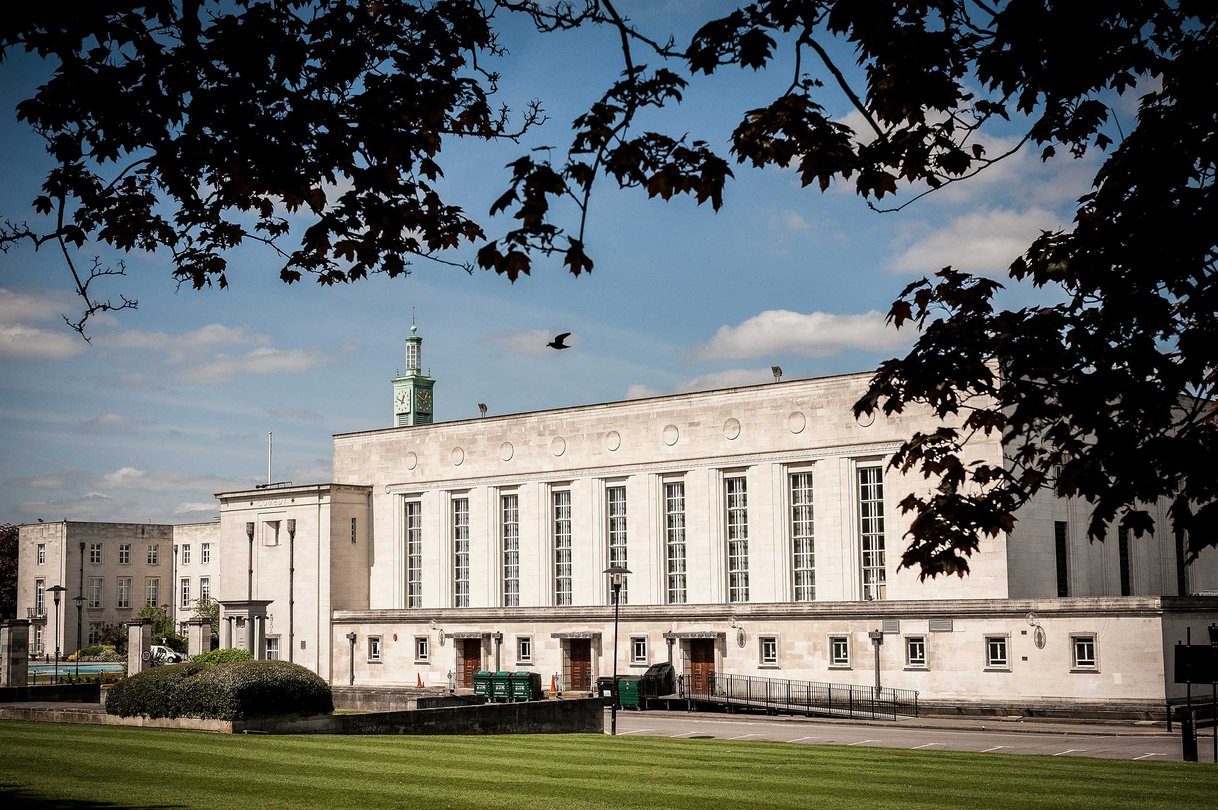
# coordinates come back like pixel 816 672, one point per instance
pixel 259 648
pixel 227 641
pixel 198 636
pixel 139 643
pixel 14 652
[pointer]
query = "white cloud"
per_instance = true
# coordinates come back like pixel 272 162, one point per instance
pixel 526 341
pixel 730 378
pixel 106 423
pixel 294 414
pixel 18 307
pixel 181 346
pixel 640 391
pixel 222 368
pixel 90 506
pixel 32 343
pixel 188 508
pixel 982 242
pixel 133 478
pixel 814 334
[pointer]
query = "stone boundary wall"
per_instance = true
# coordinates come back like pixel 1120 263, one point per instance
pixel 58 693
pixel 382 699
pixel 1066 710
pixel 536 717
pixel 584 716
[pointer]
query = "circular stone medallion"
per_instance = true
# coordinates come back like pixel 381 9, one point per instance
pixel 412 460
pixel 671 434
pixel 506 451
pixel 613 440
pixel 458 456
pixel 866 419
pixel 558 446
pixel 731 428
pixel 797 422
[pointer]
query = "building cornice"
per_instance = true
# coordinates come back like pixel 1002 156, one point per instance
pixel 890 609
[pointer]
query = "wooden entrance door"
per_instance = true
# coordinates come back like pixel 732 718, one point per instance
pixel 580 679
pixel 701 665
pixel 471 660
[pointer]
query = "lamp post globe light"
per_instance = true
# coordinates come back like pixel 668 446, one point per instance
pixel 617 576
pixel 56 594
pixel 79 600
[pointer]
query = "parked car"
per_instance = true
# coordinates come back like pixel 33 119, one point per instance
pixel 163 655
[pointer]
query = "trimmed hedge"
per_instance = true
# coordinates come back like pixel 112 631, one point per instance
pixel 227 691
pixel 213 657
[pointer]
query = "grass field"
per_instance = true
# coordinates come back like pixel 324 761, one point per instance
pixel 101 766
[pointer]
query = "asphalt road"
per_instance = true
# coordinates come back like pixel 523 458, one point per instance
pixel 1108 743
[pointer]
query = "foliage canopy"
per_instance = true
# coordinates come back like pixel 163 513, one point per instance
pixel 195 126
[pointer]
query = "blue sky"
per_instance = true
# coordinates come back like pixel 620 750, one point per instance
pixel 173 402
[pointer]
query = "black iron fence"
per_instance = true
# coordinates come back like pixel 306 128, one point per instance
pixel 809 697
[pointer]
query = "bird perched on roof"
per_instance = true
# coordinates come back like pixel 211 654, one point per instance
pixel 557 342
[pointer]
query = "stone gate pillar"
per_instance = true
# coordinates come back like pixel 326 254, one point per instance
pixel 139 646
pixel 198 636
pixel 14 652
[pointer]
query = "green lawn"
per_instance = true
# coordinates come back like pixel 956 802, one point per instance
pixel 99 766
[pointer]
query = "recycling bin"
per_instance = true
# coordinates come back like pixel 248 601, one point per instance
pixel 629 692
pixel 526 686
pixel 501 686
pixel 482 684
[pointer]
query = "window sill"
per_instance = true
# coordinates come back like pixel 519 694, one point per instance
pixel 637 665
pixel 375 661
pixel 997 668
pixel 768 666
pixel 917 668
pixel 528 663
pixel 1086 670
pixel 422 662
pixel 840 666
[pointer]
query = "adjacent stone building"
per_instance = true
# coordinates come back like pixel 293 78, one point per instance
pixel 113 570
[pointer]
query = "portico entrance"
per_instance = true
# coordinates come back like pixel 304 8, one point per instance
pixel 470 654
pixel 701 663
pixel 579 674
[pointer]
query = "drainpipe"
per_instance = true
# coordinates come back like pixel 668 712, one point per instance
pixel 291 585
pixel 351 639
pixel 498 637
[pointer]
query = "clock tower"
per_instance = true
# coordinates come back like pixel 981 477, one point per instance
pixel 412 403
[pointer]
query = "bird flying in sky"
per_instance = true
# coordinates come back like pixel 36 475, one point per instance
pixel 557 342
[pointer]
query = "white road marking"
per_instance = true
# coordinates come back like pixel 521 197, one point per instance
pixel 634 731
pixel 861 742
pixel 995 748
pixel 928 745
pixel 682 734
pixel 1068 751
pixel 742 736
pixel 798 739
pixel 1144 756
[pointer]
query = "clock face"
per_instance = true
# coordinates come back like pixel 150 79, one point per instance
pixel 423 401
pixel 403 401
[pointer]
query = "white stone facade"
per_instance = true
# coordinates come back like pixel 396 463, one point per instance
pixel 483 542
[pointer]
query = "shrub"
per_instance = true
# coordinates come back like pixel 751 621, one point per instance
pixel 210 659
pixel 154 692
pixel 225 691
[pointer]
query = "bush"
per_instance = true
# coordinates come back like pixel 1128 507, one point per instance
pixel 210 659
pixel 225 691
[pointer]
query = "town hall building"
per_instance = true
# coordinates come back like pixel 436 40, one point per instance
pixel 761 529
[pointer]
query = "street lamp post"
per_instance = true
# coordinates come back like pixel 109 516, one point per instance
pixel 617 575
pixel 79 600
pixel 56 594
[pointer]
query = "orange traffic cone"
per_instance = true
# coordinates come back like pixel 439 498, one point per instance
pixel 420 677
pixel 553 684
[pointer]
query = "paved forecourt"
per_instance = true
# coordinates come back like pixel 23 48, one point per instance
pixel 986 736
